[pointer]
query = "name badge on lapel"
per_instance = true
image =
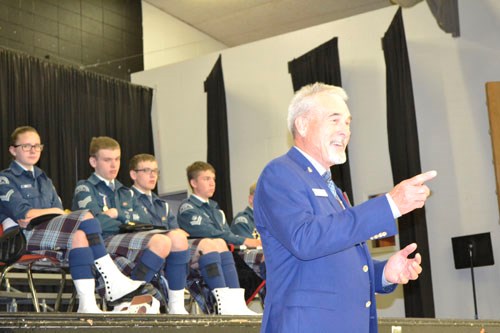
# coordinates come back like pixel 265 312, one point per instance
pixel 319 192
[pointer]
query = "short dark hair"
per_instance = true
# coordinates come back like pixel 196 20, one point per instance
pixel 102 142
pixel 133 164
pixel 194 170
pixel 21 130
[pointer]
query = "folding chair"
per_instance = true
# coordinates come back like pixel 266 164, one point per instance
pixel 30 263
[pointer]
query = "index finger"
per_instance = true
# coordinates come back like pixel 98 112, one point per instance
pixel 423 177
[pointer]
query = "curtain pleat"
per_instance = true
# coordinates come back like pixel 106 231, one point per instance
pixel 218 137
pixel 405 160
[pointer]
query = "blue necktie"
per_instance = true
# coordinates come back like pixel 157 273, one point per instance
pixel 327 176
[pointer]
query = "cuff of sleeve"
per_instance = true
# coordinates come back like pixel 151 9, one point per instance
pixel 385 283
pixel 395 210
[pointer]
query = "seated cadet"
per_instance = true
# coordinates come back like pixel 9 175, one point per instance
pixel 211 256
pixel 201 217
pixel 243 223
pixel 114 205
pixel 26 193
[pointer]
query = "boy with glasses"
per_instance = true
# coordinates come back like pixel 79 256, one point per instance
pixel 140 254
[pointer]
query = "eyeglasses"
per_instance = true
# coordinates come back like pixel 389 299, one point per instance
pixel 149 171
pixel 28 147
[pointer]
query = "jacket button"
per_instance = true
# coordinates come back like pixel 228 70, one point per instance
pixel 367 304
pixel 365 268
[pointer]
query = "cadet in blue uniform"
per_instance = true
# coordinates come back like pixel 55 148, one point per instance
pixel 243 223
pixel 320 275
pixel 26 192
pixel 114 204
pixel 202 218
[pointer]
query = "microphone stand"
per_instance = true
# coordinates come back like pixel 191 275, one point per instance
pixel 471 249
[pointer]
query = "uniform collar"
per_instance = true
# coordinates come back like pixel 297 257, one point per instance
pixel 18 169
pixel 95 179
pixel 152 194
pixel 199 201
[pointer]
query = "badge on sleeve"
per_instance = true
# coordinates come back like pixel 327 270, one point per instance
pixel 4 180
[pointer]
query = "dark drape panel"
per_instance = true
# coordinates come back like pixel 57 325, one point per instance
pixel 405 160
pixel 218 138
pixel 68 107
pixel 322 64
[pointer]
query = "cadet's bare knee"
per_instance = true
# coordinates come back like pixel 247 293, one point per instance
pixel 160 245
pixel 178 239
pixel 207 245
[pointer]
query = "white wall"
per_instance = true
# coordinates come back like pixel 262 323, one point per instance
pixel 168 40
pixel 448 79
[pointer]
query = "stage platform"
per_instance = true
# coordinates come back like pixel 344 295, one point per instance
pixel 119 323
pixel 73 322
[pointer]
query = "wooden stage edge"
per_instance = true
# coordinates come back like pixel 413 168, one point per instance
pixel 119 323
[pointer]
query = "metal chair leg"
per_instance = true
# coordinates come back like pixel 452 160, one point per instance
pixel 31 284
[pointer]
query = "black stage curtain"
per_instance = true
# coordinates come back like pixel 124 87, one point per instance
pixel 68 107
pixel 322 64
pixel 405 160
pixel 218 137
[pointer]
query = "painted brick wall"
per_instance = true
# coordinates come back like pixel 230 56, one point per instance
pixel 103 36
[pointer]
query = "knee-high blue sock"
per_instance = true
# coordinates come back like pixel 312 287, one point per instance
pixel 92 230
pixel 81 262
pixel 176 269
pixel 211 270
pixel 147 266
pixel 229 269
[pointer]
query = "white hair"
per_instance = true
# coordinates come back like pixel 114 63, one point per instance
pixel 304 100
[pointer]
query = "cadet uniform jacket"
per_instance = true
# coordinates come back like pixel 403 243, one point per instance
pixel 22 190
pixel 205 220
pixel 95 195
pixel 158 210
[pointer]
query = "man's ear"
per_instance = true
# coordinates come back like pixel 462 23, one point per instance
pixel 191 182
pixel 93 161
pixel 301 124
pixel 133 175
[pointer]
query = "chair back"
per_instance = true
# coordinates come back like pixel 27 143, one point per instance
pixel 12 245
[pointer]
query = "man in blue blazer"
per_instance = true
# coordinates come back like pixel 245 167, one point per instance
pixel 320 275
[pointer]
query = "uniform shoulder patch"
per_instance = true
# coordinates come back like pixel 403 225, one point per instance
pixel 241 219
pixel 196 220
pixel 184 207
pixel 82 188
pixel 83 203
pixel 4 180
pixel 7 196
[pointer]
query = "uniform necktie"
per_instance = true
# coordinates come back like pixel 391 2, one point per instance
pixel 150 198
pixel 327 176
pixel 112 186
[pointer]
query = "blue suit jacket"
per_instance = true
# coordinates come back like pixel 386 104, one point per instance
pixel 320 275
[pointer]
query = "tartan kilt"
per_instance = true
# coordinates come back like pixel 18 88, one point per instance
pixel 253 258
pixel 129 246
pixel 54 238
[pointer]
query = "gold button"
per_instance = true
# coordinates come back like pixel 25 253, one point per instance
pixel 365 268
pixel 368 304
